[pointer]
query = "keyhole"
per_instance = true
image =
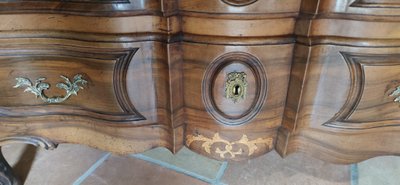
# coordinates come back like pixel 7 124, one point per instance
pixel 236 90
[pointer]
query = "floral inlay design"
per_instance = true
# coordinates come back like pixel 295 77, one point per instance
pixel 228 151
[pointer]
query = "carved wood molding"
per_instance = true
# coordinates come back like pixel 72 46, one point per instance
pixel 119 75
pixel 81 7
pixel 260 87
pixel 376 4
pixel 121 59
pixel 78 1
pixel 356 63
pixel 32 140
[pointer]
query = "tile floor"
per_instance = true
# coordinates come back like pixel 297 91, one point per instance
pixel 76 164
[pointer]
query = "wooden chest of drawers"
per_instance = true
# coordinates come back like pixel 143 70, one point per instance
pixel 230 79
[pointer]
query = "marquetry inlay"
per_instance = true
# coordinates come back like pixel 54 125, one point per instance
pixel 228 151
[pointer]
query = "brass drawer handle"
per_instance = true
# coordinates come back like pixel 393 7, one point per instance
pixel 38 88
pixel 396 94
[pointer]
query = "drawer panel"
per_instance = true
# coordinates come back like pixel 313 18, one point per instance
pixel 235 95
pixel 347 110
pixel 240 6
pixel 373 98
pixel 123 108
pixel 29 76
pixel 83 7
pixel 356 7
pixel 237 28
pixel 350 88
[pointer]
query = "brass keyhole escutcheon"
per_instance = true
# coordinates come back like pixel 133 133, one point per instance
pixel 236 86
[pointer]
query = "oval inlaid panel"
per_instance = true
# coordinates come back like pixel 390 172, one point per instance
pixel 234 88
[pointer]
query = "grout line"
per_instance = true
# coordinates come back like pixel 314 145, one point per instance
pixel 175 168
pixel 354 174
pixel 92 169
pixel 220 173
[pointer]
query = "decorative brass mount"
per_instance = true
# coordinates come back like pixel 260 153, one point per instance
pixel 236 86
pixel 38 88
pixel 396 94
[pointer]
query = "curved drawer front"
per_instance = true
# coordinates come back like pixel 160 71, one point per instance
pixel 68 81
pixel 83 7
pixel 373 98
pixel 111 96
pixel 234 98
pixel 360 7
pixel 240 6
pixel 348 108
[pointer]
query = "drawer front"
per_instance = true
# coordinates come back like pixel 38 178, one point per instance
pixel 92 81
pixel 240 6
pixel 348 108
pixel 373 98
pixel 83 7
pixel 351 88
pixel 354 7
pixel 113 85
pixel 234 98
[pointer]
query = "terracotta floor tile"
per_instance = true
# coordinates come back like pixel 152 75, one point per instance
pixel 296 169
pixel 119 170
pixel 186 160
pixel 61 166
pixel 65 164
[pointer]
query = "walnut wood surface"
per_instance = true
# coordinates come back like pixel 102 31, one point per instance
pixel 345 67
pixel 319 75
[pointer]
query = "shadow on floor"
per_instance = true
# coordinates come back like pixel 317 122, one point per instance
pixel 23 166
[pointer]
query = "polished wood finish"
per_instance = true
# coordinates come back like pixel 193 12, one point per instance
pixel 316 75
pixel 345 68
pixel 258 116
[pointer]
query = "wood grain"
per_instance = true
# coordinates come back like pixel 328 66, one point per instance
pixel 276 63
pixel 339 107
pixel 319 76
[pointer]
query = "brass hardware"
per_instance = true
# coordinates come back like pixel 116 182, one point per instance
pixel 250 144
pixel 236 86
pixel 396 94
pixel 37 89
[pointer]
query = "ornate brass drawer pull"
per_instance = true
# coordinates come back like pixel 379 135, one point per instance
pixel 38 88
pixel 396 94
pixel 236 86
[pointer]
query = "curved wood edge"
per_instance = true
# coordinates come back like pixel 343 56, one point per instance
pixel 32 140
pixel 120 140
pixel 7 176
pixel 378 4
pixel 325 145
